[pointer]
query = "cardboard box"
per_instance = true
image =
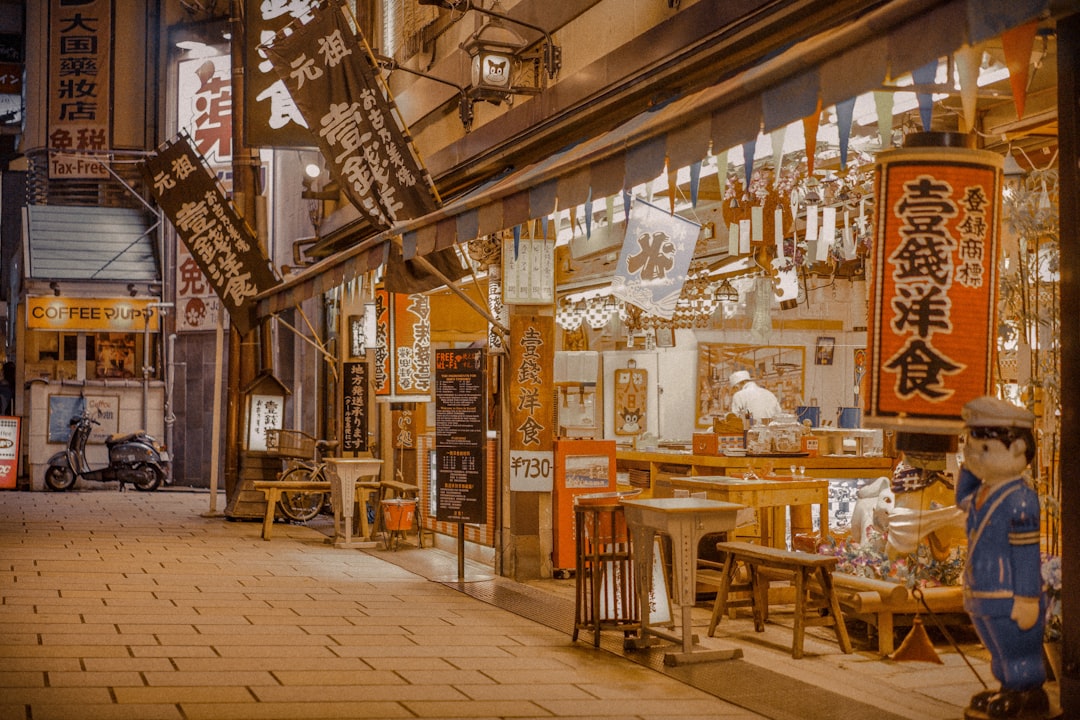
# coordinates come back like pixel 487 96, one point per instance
pixel 810 445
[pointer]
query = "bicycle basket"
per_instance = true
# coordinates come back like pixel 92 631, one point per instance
pixel 290 443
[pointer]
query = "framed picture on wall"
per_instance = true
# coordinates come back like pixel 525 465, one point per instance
pixel 665 337
pixel 823 355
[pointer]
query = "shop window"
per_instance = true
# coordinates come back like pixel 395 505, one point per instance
pixel 115 356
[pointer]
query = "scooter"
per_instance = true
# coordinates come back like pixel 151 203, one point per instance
pixel 134 458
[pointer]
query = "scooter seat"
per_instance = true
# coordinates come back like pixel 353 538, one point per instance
pixel 125 437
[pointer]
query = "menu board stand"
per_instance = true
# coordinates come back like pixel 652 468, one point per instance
pixel 460 433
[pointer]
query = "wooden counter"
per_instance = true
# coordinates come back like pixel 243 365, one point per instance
pixel 678 463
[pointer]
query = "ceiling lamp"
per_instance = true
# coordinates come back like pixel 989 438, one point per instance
pixel 726 292
pixel 497 55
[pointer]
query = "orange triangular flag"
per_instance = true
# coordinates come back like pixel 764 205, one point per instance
pixel 1017 44
pixel 810 127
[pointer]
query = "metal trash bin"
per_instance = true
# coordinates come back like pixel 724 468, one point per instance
pixel 606 592
pixel 398 517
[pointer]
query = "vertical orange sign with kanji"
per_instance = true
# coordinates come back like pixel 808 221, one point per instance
pixel 932 319
pixel 532 402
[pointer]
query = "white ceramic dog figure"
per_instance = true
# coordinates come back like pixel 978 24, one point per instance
pixel 872 509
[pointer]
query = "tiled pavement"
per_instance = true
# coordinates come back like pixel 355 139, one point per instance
pixel 135 605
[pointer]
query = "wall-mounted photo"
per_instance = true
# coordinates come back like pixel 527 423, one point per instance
pixel 823 354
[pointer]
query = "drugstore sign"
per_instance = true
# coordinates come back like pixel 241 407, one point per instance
pixel 91 314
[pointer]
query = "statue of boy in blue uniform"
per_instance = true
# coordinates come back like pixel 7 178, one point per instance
pixel 1002 578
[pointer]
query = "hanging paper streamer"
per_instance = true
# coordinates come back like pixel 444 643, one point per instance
pixel 827 235
pixel 925 76
pixel 845 113
pixel 1017 44
pixel 778 232
pixel 588 215
pixel 811 223
pixel 748 150
pixel 673 187
pixel 757 224
pixel 744 237
pixel 733 239
pixel 968 59
pixel 761 327
pixel 883 103
pixel 778 148
pixel 810 130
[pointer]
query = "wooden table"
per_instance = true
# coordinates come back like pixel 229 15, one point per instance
pixel 685 520
pixel 772 495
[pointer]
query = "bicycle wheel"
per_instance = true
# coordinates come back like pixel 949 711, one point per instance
pixel 300 506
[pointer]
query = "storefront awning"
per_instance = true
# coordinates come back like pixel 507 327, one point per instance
pixel 830 68
pixel 67 242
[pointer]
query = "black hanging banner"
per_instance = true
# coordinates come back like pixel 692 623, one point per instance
pixel 354 407
pixel 336 88
pixel 460 432
pixel 222 244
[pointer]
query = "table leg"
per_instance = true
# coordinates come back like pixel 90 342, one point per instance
pixel 268 519
pixel 642 539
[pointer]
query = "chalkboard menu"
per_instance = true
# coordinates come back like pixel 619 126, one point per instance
pixel 460 410
pixel 354 407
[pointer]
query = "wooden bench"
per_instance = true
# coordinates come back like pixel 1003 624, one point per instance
pixel 802 567
pixel 887 605
pixel 272 489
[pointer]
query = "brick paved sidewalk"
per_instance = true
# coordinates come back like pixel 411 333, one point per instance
pixel 132 605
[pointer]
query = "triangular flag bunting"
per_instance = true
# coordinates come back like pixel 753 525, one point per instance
pixel 925 76
pixel 673 187
pixel 810 130
pixel 845 113
pixel 1017 44
pixel 778 148
pixel 588 215
pixel 695 182
pixel 748 150
pixel 967 60
pixel 883 103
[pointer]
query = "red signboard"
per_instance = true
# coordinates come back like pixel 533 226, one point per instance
pixel 932 320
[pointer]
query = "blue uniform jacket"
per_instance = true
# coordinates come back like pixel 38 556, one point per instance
pixel 1003 545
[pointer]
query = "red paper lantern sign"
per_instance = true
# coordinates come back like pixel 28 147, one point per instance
pixel 933 285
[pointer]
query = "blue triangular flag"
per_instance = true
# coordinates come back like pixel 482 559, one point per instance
pixel 517 240
pixel 748 150
pixel 695 180
pixel 925 76
pixel 588 215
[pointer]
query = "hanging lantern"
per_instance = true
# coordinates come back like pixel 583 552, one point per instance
pixel 932 315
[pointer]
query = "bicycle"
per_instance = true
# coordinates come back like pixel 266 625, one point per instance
pixel 302 454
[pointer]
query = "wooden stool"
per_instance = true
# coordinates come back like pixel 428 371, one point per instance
pixel 802 567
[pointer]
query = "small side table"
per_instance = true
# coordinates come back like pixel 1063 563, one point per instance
pixel 685 520
pixel 344 483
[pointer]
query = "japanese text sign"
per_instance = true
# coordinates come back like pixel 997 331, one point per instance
pixel 655 257
pixel 80 67
pixel 271 118
pixel 224 248
pixel 532 401
pixel 932 320
pixel 354 407
pixel 331 80
pixel 402 344
pixel 460 429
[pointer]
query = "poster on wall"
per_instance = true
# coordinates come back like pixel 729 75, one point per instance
pixel 780 368
pixel 460 432
pixel 9 452
pixel 105 409
pixel 354 407
pixel 631 401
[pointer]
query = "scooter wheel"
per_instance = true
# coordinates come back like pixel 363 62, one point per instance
pixel 59 479
pixel 149 478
